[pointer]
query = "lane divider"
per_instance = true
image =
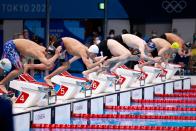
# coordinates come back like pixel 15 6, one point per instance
pixel 149 108
pixel 193 86
pixel 128 116
pixel 176 95
pixel 186 91
pixel 113 127
pixel 164 101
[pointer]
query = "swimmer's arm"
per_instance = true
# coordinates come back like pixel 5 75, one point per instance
pixel 143 55
pixel 142 49
pixel 27 67
pixel 87 62
pixel 162 51
pixel 98 58
pixel 47 62
pixel 90 65
pixel 59 70
pixel 74 59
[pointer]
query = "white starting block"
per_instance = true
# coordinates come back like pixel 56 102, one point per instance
pixel 152 73
pixel 127 76
pixel 171 69
pixel 101 82
pixel 70 85
pixel 31 91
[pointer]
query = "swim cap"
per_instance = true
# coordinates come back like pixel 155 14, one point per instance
pixel 51 50
pixel 93 49
pixel 151 45
pixel 175 45
pixel 5 64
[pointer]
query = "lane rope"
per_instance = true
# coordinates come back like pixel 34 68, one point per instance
pixel 113 127
pixel 149 108
pixel 128 116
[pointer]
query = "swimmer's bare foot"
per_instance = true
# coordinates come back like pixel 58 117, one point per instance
pixel 48 81
pixel 13 99
pixel 85 74
pixel 26 67
pixel 3 89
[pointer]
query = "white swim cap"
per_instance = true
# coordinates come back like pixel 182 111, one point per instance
pixel 5 64
pixel 93 49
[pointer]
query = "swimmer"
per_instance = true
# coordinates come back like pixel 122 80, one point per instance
pixel 116 53
pixel 131 41
pixel 78 50
pixel 176 40
pixel 164 48
pixel 13 53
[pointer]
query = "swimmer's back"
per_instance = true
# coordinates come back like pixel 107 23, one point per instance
pixel 73 46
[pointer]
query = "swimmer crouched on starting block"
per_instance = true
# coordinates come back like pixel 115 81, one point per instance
pixel 78 50
pixel 13 53
pixel 117 51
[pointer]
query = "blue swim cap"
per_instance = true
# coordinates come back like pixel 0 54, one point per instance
pixel 151 45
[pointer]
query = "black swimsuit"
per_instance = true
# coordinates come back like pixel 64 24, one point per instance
pixel 120 40
pixel 104 49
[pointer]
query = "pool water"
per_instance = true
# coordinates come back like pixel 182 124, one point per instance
pixel 133 122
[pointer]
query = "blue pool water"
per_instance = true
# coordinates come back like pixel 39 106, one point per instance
pixel 175 98
pixel 164 105
pixel 133 122
pixel 151 112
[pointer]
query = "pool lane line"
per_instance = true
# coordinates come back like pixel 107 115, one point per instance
pixel 112 127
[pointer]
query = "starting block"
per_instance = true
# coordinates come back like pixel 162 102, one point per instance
pixel 70 86
pixel 171 69
pixel 152 73
pixel 101 82
pixel 127 76
pixel 31 91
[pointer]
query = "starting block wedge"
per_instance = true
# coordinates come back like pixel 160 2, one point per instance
pixel 31 91
pixel 152 73
pixel 127 76
pixel 102 82
pixel 171 69
pixel 70 85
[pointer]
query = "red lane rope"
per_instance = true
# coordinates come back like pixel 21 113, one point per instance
pixel 190 91
pixel 149 108
pixel 127 116
pixel 176 95
pixel 165 101
pixel 193 86
pixel 113 127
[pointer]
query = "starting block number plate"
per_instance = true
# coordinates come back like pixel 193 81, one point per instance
pixel 137 94
pixel 187 84
pixel 111 100
pixel 42 116
pixel 22 122
pixel 169 88
pixel 148 93
pixel 125 98
pixel 80 107
pixel 178 84
pixel 62 114
pixel 159 89
pixel 97 105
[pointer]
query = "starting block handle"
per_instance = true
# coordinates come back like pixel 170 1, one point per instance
pixel 142 78
pixel 181 72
